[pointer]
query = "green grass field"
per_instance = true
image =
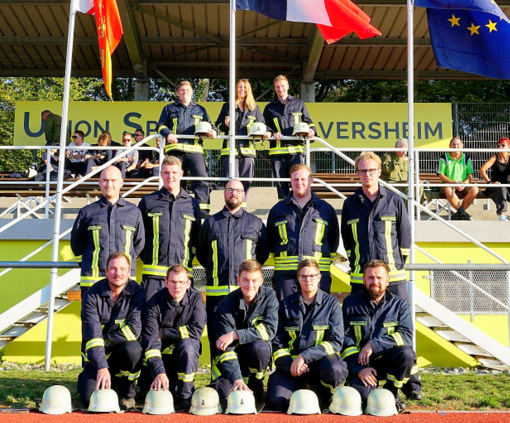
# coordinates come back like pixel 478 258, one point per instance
pixel 23 387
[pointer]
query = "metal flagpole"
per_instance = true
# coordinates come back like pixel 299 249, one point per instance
pixel 232 91
pixel 410 154
pixel 60 183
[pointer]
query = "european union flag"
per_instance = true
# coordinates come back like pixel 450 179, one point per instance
pixel 471 36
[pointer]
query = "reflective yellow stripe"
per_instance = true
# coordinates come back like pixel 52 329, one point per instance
pixel 88 281
pixel 187 235
pixel 258 375
pixel 349 351
pixel 153 270
pixel 297 117
pixel 218 291
pixel 215 371
pixel 184 332
pixel 264 335
pixel 169 350
pixel 229 355
pixel 354 228
pixel 398 338
pixel 396 276
pixel 174 124
pixel 293 336
pixel 292 262
pixel 130 376
pixel 277 125
pixel 389 248
pixel 94 342
pixel 330 387
pixel 186 377
pixel 320 337
pixel 204 206
pixel 152 353
pixel 280 353
pixel 358 334
pixel 95 254
pixel 214 247
pixel 328 348
pixel 226 151
pixel 319 232
pixel 128 333
pixel 130 230
pixel 160 128
pixel 405 251
pixel 155 239
pixel 291 149
pixel 282 231
pixel 249 247
pixel 187 148
pixel 397 383
pixel 245 151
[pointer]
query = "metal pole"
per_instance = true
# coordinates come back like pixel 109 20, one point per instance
pixel 410 118
pixel 60 183
pixel 232 92
pixel 471 294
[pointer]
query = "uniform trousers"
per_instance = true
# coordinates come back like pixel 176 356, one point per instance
pixel 394 365
pixel 124 362
pixel 194 165
pixel 280 166
pixel 323 377
pixel 244 168
pixel 181 364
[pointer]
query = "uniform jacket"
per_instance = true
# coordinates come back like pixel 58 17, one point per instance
pixel 172 228
pixel 176 118
pixel 296 234
pixel 101 229
pixel 380 232
pixel 281 117
pixel 394 169
pixel 174 321
pixel 226 240
pixel 257 322
pixel 315 333
pixel 386 325
pixel 107 323
pixel 244 120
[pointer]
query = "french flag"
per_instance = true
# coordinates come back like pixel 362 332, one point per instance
pixel 335 18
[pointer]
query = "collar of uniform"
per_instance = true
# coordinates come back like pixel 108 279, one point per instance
pixel 105 290
pixel 192 103
pixel 289 98
pixel 105 203
pixel 226 212
pixel 290 199
pixel 387 296
pixel 298 298
pixel 242 303
pixel 165 193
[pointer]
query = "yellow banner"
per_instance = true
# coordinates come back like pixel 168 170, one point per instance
pixel 373 125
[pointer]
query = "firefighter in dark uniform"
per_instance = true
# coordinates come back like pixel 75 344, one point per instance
pixel 281 115
pixel 111 317
pixel 246 326
pixel 173 323
pixel 375 225
pixel 227 238
pixel 308 342
pixel 181 118
pixel 299 227
pixel 172 227
pixel 378 335
pixel 109 225
pixel 246 113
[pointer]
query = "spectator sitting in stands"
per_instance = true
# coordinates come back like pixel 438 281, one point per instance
pixel 499 164
pixel 457 168
pixel 75 161
pixel 52 163
pixel 395 168
pixel 96 158
pixel 127 164
pixel 148 160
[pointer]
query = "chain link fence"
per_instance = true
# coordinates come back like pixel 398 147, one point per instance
pixel 458 296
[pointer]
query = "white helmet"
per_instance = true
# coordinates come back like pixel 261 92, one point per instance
pixel 104 401
pixel 241 402
pixel 257 129
pixel 205 402
pixel 203 129
pixel 158 402
pixel 346 401
pixel 56 400
pixel 301 129
pixel 304 401
pixel 381 402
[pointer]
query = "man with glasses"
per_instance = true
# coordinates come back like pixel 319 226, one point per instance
pixel 301 226
pixel 172 223
pixel 127 164
pixel 375 225
pixel 308 341
pixel 227 238
pixel 173 323
pixel 75 162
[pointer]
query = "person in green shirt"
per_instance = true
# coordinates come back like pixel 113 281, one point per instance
pixel 456 168
pixel 52 126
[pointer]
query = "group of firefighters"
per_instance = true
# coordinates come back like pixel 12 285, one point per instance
pixel 150 334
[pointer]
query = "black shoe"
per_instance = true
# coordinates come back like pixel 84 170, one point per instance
pixel 414 396
pixel 401 407
pixel 465 216
pixel 182 405
pixel 456 216
pixel 127 404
